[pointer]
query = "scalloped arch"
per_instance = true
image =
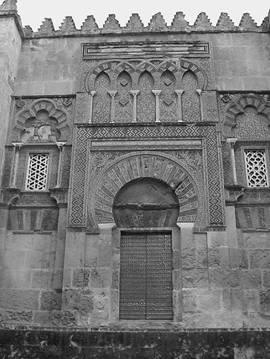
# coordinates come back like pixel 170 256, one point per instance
pixel 237 108
pixel 47 105
pixel 38 105
pixel 132 166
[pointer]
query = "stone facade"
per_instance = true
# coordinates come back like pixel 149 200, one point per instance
pixel 85 114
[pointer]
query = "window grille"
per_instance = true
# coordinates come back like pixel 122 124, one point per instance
pixel 37 172
pixel 256 168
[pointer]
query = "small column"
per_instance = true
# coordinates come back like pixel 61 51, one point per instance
pixel 232 142
pixel 60 146
pixel 91 95
pixel 134 93
pixel 199 92
pixel 112 94
pixel 17 147
pixel 179 94
pixel 157 93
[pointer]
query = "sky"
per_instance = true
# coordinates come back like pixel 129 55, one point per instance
pixel 33 12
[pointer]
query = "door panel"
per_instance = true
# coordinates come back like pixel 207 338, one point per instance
pixel 146 276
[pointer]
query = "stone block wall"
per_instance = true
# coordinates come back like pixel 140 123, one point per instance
pixel 31 276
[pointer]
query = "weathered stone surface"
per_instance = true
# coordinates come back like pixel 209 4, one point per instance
pixel 193 278
pixel 19 299
pixel 259 258
pixel 221 277
pixel 81 301
pixel 50 300
pixel 265 301
pixel 238 258
pixel 251 279
pixel 81 277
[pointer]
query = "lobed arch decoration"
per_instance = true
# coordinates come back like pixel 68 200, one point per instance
pixel 154 91
pixel 41 121
pixel 248 116
pixel 133 166
pixel 114 67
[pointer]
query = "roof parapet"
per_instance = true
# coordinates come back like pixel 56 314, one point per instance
pixel 156 24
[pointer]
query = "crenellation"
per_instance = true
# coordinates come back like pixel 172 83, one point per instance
pixel 90 26
pixel 179 23
pixel 28 31
pixel 157 23
pixel 225 23
pixel 247 23
pixel 111 25
pixel 202 23
pixel 47 27
pixel 134 24
pixel 67 26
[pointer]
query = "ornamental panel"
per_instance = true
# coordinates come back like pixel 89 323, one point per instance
pixel 97 176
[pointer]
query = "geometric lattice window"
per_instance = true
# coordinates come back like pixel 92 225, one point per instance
pixel 256 168
pixel 37 172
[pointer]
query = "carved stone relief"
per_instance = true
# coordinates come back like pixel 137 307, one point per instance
pixel 168 104
pixel 85 180
pixel 123 98
pixel 191 102
pixel 102 98
pixel 146 99
pixel 145 91
pixel 245 117
pixel 116 173
pixel 42 120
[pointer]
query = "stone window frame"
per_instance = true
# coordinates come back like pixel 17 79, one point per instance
pixel 254 147
pixel 176 276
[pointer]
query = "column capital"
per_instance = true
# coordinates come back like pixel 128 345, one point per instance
pixel 112 93
pixel 17 145
pixel 134 92
pixel 232 141
pixel 60 145
pixel 156 92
